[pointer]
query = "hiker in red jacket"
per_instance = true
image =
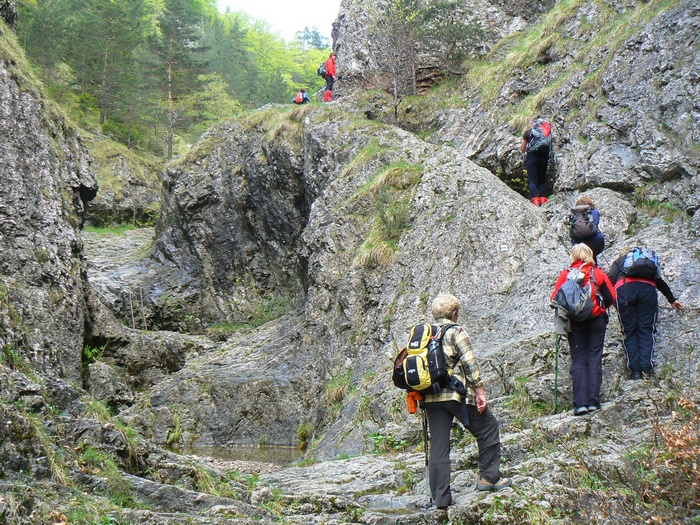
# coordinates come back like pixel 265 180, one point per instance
pixel 586 338
pixel 330 77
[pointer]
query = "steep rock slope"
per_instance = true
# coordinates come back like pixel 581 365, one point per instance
pixel 624 105
pixel 46 182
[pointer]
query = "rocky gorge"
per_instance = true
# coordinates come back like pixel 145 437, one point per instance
pixel 296 246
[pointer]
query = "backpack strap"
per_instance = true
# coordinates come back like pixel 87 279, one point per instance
pixel 455 384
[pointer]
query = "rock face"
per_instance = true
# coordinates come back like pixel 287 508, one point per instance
pixel 357 225
pixel 237 246
pixel 46 182
pixel 358 54
pixel 129 185
pixel 638 95
pixel 8 12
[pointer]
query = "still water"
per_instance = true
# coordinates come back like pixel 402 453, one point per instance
pixel 276 455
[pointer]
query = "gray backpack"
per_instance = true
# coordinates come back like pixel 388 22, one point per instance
pixel 577 298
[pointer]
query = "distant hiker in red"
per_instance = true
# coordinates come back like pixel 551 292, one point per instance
pixel 330 77
pixel 302 97
pixel 535 147
pixel 587 335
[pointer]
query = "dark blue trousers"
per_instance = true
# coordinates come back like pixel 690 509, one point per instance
pixel 637 308
pixel 586 341
pixel 536 166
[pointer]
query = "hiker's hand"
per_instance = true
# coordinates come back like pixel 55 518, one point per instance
pixel 481 402
pixel 677 305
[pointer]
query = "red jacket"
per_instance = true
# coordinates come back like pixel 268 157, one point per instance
pixel 330 66
pixel 605 287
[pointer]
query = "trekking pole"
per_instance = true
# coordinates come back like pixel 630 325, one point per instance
pixel 556 373
pixel 425 450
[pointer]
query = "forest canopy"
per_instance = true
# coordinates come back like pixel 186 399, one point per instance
pixel 155 74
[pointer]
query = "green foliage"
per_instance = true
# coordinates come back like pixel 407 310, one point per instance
pixel 175 434
pixel 98 462
pixel 528 51
pixel 91 354
pixel 521 408
pixel 155 74
pixel 263 310
pixel 10 356
pixel 442 29
pixel 391 192
pixel 384 444
pixel 54 455
pixel 337 388
pixel 408 481
pixel 304 434
pixel 114 229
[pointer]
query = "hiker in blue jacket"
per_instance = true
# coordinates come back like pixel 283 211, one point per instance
pixel 637 308
pixel 597 242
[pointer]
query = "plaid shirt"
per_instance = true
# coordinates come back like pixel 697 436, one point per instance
pixel 456 342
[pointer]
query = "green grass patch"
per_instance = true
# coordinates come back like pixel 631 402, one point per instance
pixel 111 230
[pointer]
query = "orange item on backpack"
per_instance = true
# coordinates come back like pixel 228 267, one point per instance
pixel 413 399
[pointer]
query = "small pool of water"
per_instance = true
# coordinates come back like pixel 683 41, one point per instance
pixel 276 455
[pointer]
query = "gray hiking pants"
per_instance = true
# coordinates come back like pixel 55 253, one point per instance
pixel 482 425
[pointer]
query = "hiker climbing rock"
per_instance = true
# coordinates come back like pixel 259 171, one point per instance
pixel 584 226
pixel 585 291
pixel 444 407
pixel 302 97
pixel 636 275
pixel 330 77
pixel 535 147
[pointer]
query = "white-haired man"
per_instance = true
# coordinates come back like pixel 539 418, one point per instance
pixel 442 409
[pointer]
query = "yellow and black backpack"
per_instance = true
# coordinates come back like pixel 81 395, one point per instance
pixel 421 365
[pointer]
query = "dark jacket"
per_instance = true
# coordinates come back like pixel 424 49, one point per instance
pixel 617 278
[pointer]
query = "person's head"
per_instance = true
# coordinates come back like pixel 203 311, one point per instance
pixel 581 252
pixel 332 54
pixel 587 201
pixel 445 305
pixel 303 90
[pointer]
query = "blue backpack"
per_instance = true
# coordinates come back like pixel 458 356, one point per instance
pixel 642 263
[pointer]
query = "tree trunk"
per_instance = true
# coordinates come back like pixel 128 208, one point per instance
pixel 171 109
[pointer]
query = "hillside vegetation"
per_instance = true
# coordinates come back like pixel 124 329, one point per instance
pixel 294 246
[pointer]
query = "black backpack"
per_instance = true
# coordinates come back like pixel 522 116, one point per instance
pixel 581 223
pixel 321 70
pixel 540 140
pixel 421 366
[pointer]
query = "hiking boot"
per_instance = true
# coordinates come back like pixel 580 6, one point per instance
pixel 581 411
pixel 535 201
pixel 543 200
pixel 484 485
pixel 634 376
pixel 593 408
pixel 502 483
